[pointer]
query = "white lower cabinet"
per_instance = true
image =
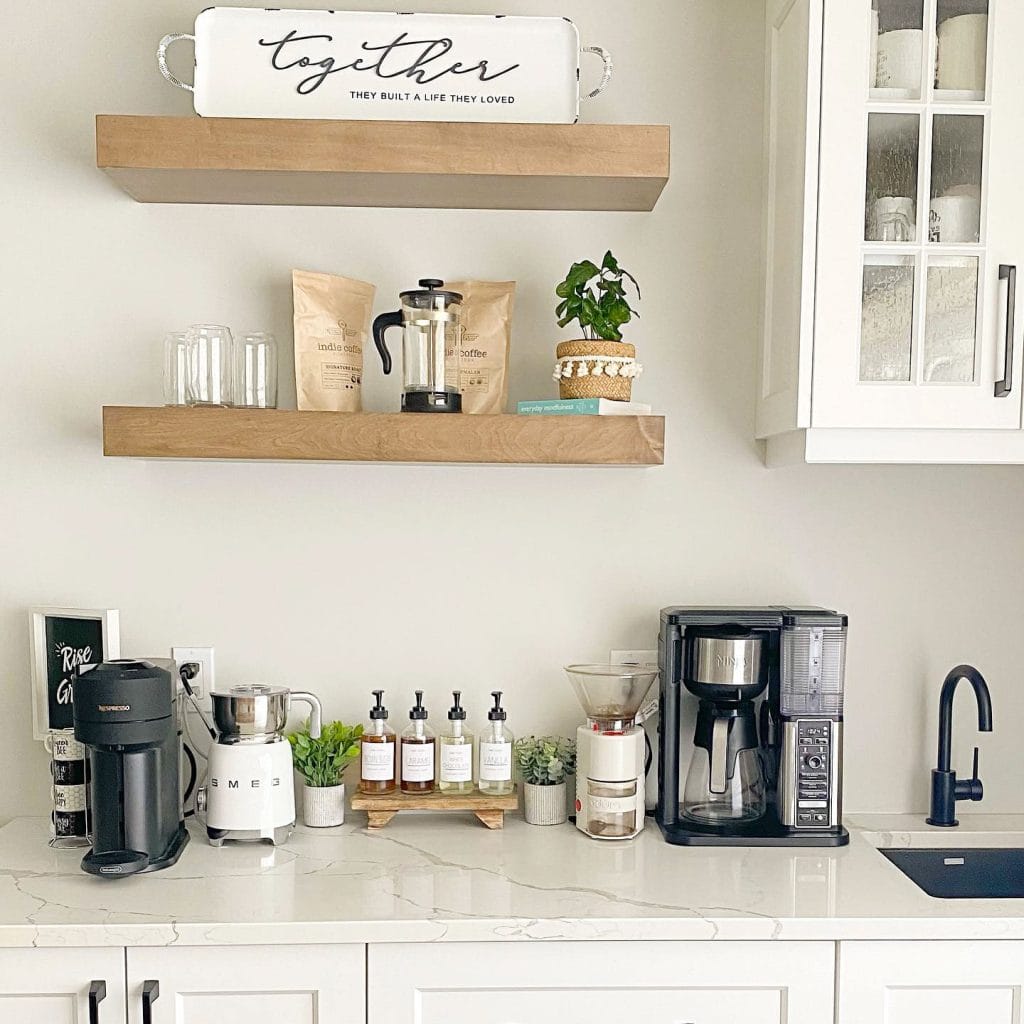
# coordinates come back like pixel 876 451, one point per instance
pixel 52 986
pixel 598 982
pixel 247 985
pixel 930 982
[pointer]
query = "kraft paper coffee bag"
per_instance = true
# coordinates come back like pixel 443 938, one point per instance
pixel 332 321
pixel 486 341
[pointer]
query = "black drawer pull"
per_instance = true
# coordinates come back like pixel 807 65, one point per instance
pixel 97 993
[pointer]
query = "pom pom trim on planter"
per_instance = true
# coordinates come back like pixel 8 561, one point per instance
pixel 595 366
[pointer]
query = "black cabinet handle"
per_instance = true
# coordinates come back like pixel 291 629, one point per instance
pixel 1008 274
pixel 150 994
pixel 97 993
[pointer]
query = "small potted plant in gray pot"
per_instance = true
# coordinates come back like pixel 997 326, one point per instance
pixel 320 763
pixel 600 364
pixel 542 763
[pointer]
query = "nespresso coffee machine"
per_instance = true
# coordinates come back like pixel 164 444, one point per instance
pixel 767 757
pixel 126 714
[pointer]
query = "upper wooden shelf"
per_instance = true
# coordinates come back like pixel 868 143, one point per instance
pixel 178 433
pixel 384 163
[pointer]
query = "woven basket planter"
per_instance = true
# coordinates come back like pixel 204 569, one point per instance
pixel 596 369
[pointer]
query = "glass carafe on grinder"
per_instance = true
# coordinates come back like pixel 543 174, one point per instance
pixel 431 324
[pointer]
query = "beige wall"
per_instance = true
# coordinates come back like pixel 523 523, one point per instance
pixel 341 578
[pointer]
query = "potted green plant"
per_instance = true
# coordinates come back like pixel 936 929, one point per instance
pixel 320 762
pixel 600 364
pixel 542 762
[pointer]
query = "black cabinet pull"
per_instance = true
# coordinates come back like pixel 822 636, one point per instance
pixel 1009 275
pixel 150 994
pixel 97 993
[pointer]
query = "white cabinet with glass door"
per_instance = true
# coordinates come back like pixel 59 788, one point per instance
pixel 909 225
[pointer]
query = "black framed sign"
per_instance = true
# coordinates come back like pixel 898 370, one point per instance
pixel 63 639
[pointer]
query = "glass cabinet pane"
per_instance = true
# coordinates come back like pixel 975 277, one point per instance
pixel 961 63
pixel 887 318
pixel 950 320
pixel 890 213
pixel 897 47
pixel 955 215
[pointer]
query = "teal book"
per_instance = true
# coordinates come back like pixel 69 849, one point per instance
pixel 581 407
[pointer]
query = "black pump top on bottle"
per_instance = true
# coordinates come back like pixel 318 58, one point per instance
pixel 419 711
pixel 497 713
pixel 457 712
pixel 378 711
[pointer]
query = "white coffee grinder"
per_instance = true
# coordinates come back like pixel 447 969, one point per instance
pixel 249 793
pixel 611 755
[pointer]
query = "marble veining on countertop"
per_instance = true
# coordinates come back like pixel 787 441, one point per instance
pixel 425 878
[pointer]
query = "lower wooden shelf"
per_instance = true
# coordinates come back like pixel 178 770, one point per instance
pixel 278 434
pixel 489 810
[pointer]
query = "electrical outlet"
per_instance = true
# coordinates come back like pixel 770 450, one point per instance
pixel 634 657
pixel 202 684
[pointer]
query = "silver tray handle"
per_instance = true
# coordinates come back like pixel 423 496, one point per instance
pixel 161 59
pixel 606 77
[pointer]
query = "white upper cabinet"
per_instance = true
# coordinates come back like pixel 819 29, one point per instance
pixel 894 223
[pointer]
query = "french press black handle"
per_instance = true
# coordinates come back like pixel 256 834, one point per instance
pixel 380 325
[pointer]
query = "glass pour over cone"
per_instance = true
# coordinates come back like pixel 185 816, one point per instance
pixel 611 695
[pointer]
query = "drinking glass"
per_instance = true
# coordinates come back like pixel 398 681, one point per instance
pixel 175 368
pixel 210 350
pixel 255 380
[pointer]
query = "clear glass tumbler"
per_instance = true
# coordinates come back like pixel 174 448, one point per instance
pixel 210 349
pixel 255 384
pixel 175 368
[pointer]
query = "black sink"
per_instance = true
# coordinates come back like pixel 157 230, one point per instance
pixel 964 874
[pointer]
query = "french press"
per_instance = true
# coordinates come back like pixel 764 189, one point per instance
pixel 431 322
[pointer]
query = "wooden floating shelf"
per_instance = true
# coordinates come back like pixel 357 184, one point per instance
pixel 490 810
pixel 276 162
pixel 278 434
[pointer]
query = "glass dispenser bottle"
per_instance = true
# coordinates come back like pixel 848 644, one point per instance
pixel 455 751
pixel 377 752
pixel 418 751
pixel 495 773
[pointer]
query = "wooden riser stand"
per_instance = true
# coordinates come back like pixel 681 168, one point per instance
pixel 489 809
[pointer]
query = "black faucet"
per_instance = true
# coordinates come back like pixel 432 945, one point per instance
pixel 945 788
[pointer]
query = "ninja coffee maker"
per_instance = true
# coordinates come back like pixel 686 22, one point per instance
pixel 126 715
pixel 766 768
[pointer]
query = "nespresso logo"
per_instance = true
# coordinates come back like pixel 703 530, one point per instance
pixel 215 783
pixel 114 707
pixel 730 661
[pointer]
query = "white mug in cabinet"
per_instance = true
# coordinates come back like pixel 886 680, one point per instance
pixel 899 59
pixel 963 44
pixel 893 219
pixel 955 218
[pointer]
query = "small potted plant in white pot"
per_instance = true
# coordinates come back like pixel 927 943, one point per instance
pixel 542 762
pixel 600 364
pixel 320 763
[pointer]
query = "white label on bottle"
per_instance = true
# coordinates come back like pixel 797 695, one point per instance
pixel 378 761
pixel 418 762
pixel 495 762
pixel 456 762
pixel 611 804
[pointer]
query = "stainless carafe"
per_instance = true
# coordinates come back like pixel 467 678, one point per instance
pixel 431 322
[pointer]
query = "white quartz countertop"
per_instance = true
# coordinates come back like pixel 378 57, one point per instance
pixel 431 878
